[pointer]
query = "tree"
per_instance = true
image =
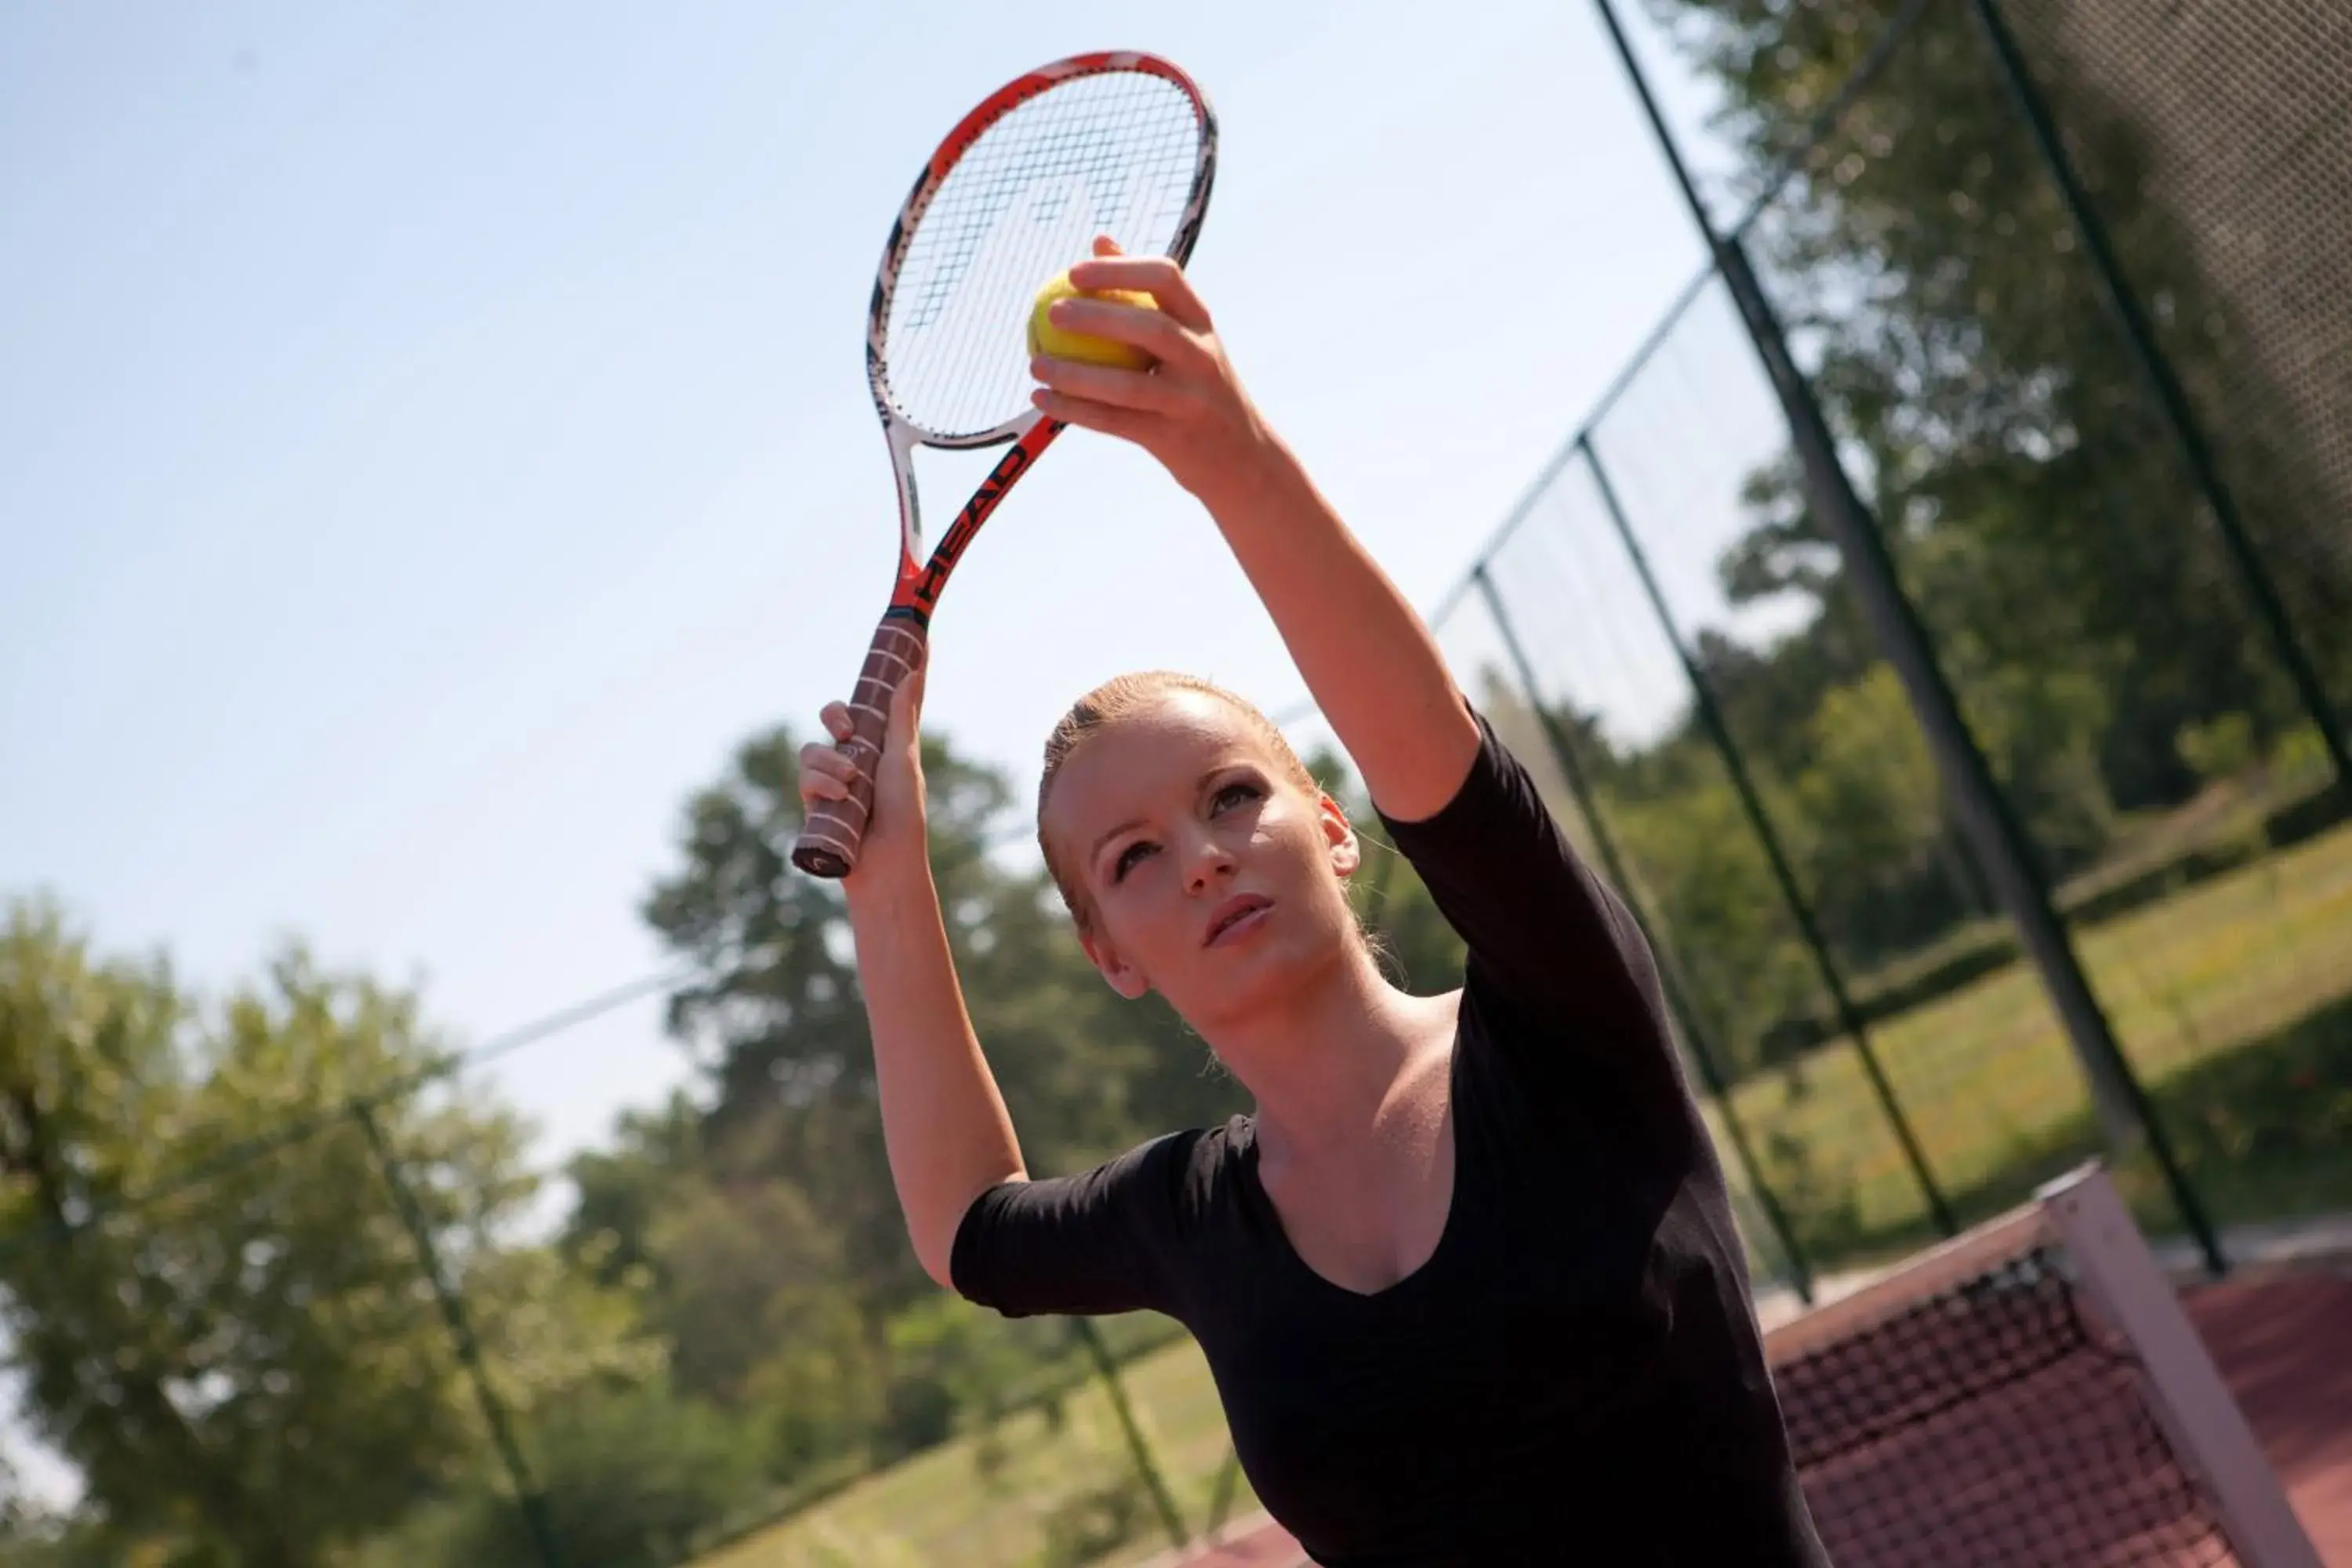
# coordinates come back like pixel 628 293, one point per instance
pixel 775 1021
pixel 631 1476
pixel 1711 891
pixel 730 1269
pixel 759 1226
pixel 1873 807
pixel 239 1352
pixel 781 1029
pixel 1963 350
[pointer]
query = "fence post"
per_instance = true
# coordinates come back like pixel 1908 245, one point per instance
pixel 2155 368
pixel 461 1334
pixel 1701 1049
pixel 1751 801
pixel 1106 1368
pixel 1994 831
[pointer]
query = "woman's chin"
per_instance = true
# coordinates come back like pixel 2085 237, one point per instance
pixel 1266 970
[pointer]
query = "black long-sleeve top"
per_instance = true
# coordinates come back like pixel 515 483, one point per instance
pixel 1575 1374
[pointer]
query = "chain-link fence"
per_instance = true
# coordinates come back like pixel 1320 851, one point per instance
pixel 2014 280
pixel 2214 142
pixel 2073 303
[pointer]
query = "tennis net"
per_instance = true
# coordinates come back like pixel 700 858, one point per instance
pixel 2030 1393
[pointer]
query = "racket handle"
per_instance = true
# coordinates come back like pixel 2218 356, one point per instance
pixel 834 830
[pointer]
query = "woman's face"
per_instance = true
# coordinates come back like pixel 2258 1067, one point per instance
pixel 1213 877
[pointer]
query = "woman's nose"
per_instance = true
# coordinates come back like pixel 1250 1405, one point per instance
pixel 1207 862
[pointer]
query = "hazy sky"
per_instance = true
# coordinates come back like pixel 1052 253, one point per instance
pixel 431 436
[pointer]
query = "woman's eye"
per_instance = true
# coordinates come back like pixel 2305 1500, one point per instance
pixel 1232 793
pixel 1128 858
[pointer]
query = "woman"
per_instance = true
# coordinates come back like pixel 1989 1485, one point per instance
pixel 1466 1277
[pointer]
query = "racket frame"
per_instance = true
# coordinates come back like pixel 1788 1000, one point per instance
pixel 834 831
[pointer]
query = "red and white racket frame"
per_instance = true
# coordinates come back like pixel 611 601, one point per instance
pixel 835 830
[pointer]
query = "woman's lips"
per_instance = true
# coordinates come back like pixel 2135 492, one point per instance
pixel 1244 912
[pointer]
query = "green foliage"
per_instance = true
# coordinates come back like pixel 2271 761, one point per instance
pixel 1873 804
pixel 731 1268
pixel 29 1539
pixel 630 1476
pixel 779 1023
pixel 241 1355
pixel 1964 350
pixel 2074 590
pixel 2300 755
pixel 738 1272
pixel 819 1392
pixel 2221 749
pixel 1092 1524
pixel 755 1224
pixel 2040 728
pixel 959 1364
pixel 619 1190
pixel 33 1536
pixel 1711 892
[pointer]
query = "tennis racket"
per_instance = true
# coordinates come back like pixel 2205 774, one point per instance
pixel 1121 144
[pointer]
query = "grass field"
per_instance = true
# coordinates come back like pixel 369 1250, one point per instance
pixel 2234 998
pixel 2240 983
pixel 943 1508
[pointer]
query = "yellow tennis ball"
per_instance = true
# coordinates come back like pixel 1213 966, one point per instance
pixel 1045 337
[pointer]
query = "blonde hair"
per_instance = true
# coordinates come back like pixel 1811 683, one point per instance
pixel 1121 698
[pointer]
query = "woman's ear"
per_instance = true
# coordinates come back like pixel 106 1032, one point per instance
pixel 1347 850
pixel 1124 977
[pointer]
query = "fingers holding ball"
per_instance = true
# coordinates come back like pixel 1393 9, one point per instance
pixel 1060 342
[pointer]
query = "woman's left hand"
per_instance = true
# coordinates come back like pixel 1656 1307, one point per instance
pixel 1188 410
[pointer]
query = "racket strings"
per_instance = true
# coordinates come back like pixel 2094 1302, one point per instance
pixel 1076 156
pixel 1115 152
pixel 1018 218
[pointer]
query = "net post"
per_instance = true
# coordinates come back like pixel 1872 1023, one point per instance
pixel 1702 1048
pixel 2207 1431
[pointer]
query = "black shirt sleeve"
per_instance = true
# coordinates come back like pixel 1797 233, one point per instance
pixel 1098 1243
pixel 1546 937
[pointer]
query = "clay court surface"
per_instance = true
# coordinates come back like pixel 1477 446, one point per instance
pixel 2283 1343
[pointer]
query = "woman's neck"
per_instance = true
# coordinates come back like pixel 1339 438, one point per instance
pixel 1325 1066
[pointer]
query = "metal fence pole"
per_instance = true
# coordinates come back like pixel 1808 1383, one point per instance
pixel 1751 801
pixel 1702 1048
pixel 461 1334
pixel 1106 1368
pixel 1994 831
pixel 2196 453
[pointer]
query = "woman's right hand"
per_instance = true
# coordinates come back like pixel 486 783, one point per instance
pixel 896 830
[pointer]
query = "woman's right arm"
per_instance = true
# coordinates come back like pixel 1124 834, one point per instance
pixel 943 1122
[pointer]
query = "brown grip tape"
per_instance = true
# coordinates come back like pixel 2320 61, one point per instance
pixel 834 829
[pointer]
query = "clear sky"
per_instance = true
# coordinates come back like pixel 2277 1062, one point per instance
pixel 431 436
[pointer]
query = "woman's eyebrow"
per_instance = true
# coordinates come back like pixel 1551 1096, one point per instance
pixel 1128 826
